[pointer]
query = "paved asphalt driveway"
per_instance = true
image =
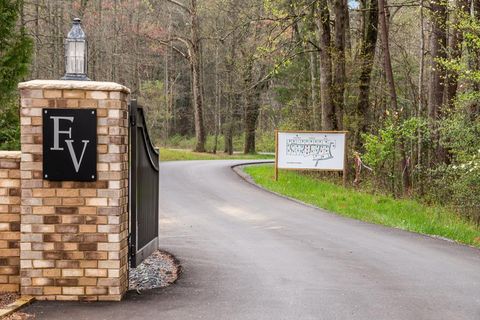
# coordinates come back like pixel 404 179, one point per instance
pixel 248 254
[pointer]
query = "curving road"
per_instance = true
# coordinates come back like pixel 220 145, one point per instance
pixel 249 254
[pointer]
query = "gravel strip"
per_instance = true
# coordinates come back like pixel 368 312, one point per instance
pixel 19 316
pixel 7 297
pixel 159 270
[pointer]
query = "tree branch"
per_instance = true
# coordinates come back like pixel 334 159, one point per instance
pixel 181 5
pixel 168 43
pixel 183 40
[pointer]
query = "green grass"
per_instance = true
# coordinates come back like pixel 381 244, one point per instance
pixel 400 213
pixel 264 142
pixel 175 154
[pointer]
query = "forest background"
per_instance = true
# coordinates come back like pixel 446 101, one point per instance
pixel 402 76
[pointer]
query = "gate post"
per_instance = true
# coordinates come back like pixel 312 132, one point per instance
pixel 74 234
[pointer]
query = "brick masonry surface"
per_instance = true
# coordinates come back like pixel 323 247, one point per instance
pixel 9 221
pixel 74 234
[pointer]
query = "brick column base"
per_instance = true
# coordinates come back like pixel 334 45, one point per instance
pixel 9 221
pixel 74 234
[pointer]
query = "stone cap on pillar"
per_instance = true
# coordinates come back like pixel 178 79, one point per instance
pixel 73 85
pixel 10 154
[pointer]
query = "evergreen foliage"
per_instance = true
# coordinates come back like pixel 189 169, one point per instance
pixel 15 53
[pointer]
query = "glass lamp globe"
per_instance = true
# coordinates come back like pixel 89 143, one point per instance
pixel 76 53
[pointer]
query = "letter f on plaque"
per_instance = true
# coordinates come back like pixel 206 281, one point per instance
pixel 57 132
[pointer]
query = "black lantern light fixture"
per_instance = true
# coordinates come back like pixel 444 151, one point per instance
pixel 76 53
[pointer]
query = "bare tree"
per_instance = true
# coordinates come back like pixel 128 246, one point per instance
pixel 194 55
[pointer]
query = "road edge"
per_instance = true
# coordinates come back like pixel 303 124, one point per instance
pixel 237 168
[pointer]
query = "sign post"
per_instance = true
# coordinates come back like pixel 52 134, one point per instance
pixel 311 150
pixel 276 155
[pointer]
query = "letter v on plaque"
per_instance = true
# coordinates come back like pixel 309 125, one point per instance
pixel 70 144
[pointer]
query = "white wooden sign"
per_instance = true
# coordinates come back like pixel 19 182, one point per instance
pixel 308 150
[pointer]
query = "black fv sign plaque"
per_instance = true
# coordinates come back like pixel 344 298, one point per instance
pixel 70 144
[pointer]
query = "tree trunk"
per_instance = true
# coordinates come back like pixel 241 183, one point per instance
pixel 326 92
pixel 37 35
pixel 197 85
pixel 393 92
pixel 366 57
pixel 232 97
pixel 217 101
pixel 313 66
pixel 229 125
pixel 386 55
pixel 313 88
pixel 113 75
pixel 339 73
pixel 251 118
pixel 348 36
pixel 252 111
pixel 421 93
pixel 474 64
pixel 455 45
pixel 166 91
pixel 437 75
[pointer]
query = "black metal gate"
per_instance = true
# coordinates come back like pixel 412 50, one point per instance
pixel 144 187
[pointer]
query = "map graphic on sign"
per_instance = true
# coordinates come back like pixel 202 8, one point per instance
pixel 319 150
pixel 316 148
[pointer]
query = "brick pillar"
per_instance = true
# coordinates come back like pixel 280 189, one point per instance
pixel 9 220
pixel 74 234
